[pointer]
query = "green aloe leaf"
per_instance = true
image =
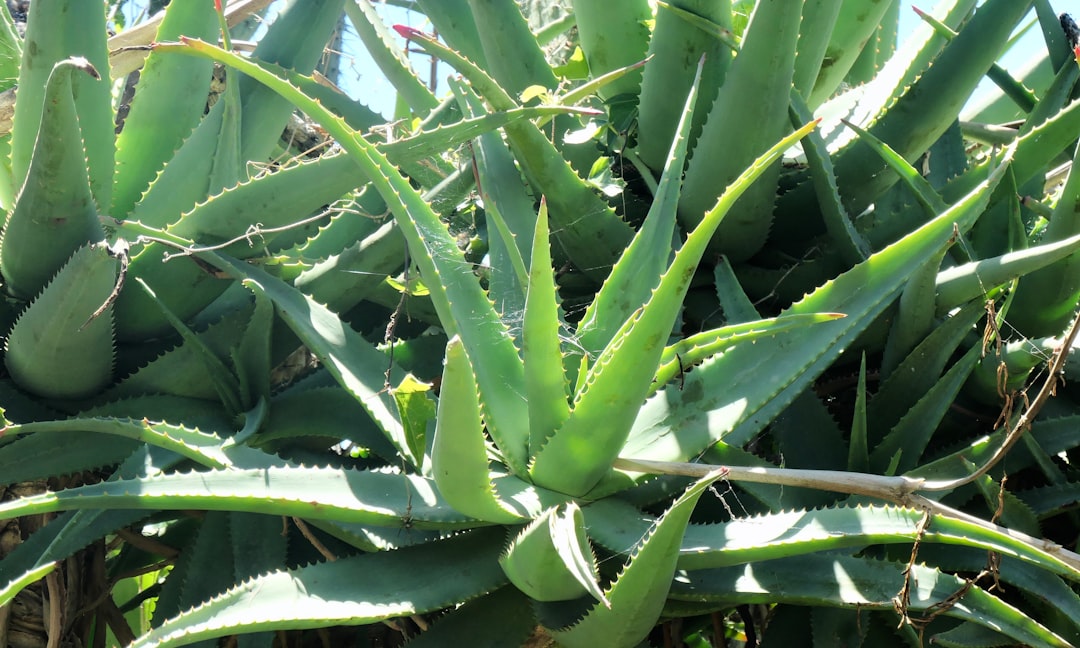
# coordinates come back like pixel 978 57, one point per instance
pixel 366 497
pixel 393 62
pixel 584 225
pixel 460 301
pixel 459 455
pixel 851 33
pixel 676 46
pixel 204 448
pixel 467 623
pixel 901 449
pixel 696 348
pixel 637 595
pixel 853 248
pixel 617 526
pixel 70 324
pixel 57 31
pixel 512 54
pixel 296 41
pixel 640 267
pixel 859 583
pixel 545 377
pixel 551 560
pixel 55 212
pixel 578 455
pixel 762 70
pixel 613 40
pixel 169 102
pixel 352 591
pixel 741 398
pixel 353 361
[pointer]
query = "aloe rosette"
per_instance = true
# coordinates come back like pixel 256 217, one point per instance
pixel 535 401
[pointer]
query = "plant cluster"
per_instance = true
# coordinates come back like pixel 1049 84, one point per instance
pixel 717 322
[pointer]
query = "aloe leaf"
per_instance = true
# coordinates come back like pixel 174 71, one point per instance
pixel 855 24
pixel 935 100
pixel 169 102
pixel 296 40
pixel 1050 500
pixel 344 279
pixel 801 533
pixel 453 19
pixel 512 54
pixel 1023 97
pixel 617 383
pixel 696 348
pixel 357 590
pixel 1045 299
pixel 188 584
pixel 61 453
pixel 461 303
pixel 392 61
pixel 914 314
pixel 1055 97
pixel 815 36
pixel 763 70
pixel 69 532
pixel 366 497
pixel 919 371
pixel 858 449
pixel 670 424
pixel 910 437
pixel 1034 151
pixel 676 45
pixel 57 31
pixel 1034 582
pixel 357 366
pixel 965 282
pixel 551 560
pixel 68 325
pixel 585 226
pixel 1009 510
pixel 852 247
pixel 738 309
pixel 326 411
pixel 872 59
pixel 861 583
pixel 55 212
pixel 1054 435
pixel 545 378
pixel 637 271
pixel 637 595
pixel 251 358
pixel 206 449
pixel 612 40
pixel 508 209
pixel 273 200
pixel 459 456
pixel 221 377
pixel 179 370
pixel 66 534
pixel 467 623
pixel 924 192
pixel 69 448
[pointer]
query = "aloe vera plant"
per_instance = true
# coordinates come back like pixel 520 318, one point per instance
pixel 591 353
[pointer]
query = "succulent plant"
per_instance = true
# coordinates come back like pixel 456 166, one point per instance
pixel 696 333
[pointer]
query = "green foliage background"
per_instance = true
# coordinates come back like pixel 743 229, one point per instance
pixel 693 322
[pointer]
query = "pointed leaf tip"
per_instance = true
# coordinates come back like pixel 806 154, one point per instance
pixel 83 64
pixel 410 33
